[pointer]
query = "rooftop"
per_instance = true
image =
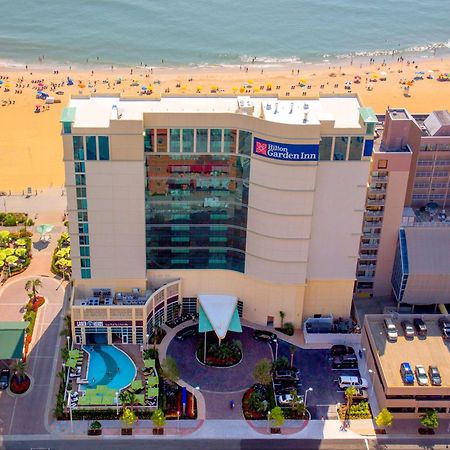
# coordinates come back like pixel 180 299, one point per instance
pixel 106 297
pixel 431 350
pixel 97 111
pixel 428 250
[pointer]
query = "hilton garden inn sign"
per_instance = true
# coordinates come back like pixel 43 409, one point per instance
pixel 286 152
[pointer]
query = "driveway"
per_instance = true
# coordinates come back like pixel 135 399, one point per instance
pixel 316 373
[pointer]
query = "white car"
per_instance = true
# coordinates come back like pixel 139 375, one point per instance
pixel 285 399
pixel 421 376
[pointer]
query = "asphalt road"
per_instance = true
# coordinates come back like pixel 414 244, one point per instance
pixel 207 444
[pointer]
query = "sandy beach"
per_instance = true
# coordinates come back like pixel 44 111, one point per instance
pixel 30 143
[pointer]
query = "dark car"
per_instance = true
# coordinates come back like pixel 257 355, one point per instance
pixel 408 329
pixel 434 375
pixel 186 332
pixel 4 378
pixel 266 336
pixel 286 375
pixel 420 327
pixel 345 362
pixel 444 325
pixel 339 350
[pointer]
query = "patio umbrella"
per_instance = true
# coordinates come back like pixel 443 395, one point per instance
pixel 11 259
pixel 3 255
pixel 8 251
pixel 44 228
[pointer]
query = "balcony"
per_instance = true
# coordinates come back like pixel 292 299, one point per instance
pixel 374 213
pixel 370 245
pixel 375 202
pixel 366 257
pixel 365 278
pixel 379 178
pixel 376 190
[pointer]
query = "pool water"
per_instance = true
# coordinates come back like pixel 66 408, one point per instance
pixel 109 366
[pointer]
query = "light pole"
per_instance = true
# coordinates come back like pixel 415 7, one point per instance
pixel 117 402
pixel 276 349
pixel 68 342
pixel 148 340
pixel 268 421
pixel 69 401
pixel 178 422
pixel 372 374
pixel 306 395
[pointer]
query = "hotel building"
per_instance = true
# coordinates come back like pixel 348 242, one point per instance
pixel 253 197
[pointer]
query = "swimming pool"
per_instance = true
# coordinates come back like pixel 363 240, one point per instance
pixel 109 366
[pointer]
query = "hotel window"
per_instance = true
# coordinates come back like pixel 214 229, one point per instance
pixel 245 142
pixel 67 127
pixel 370 128
pixel 82 216
pixel 83 228
pixel 356 146
pixel 229 141
pixel 175 140
pixel 80 180
pixel 78 148
pixel 148 140
pixel 325 146
pixel 202 140
pixel 85 262
pixel 91 148
pixel 103 148
pixel 215 143
pixel 81 203
pixel 83 240
pixel 161 140
pixel 382 164
pixel 81 192
pixel 80 167
pixel 188 140
pixel 85 273
pixel 340 148
pixel 84 251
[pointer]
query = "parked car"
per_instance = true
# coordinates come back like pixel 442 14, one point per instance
pixel 408 329
pixel 345 362
pixel 391 330
pixel 361 394
pixel 444 325
pixel 338 350
pixel 406 373
pixel 5 375
pixel 346 381
pixel 435 376
pixel 286 374
pixel 285 399
pixel 186 332
pixel 266 336
pixel 421 375
pixel 420 327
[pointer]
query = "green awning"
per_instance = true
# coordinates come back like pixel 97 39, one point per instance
pixel 368 115
pixel 221 315
pixel 68 115
pixel 12 336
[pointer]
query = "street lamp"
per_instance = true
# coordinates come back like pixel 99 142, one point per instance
pixel 178 421
pixel 69 401
pixel 68 342
pixel 372 375
pixel 306 395
pixel 117 402
pixel 268 421
pixel 276 349
pixel 148 340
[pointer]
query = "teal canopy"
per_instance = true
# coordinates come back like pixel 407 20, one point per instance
pixel 44 228
pixel 12 335
pixel 219 314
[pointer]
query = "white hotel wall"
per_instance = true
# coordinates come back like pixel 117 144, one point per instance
pixel 116 209
pixel 280 207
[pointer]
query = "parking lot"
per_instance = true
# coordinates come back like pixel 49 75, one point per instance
pixel 316 373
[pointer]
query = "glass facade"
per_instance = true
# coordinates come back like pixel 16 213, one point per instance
pixel 325 147
pixel 196 204
pixel 340 148
pixel 356 147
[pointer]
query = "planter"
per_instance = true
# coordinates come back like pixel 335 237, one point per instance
pixel 158 431
pixel 275 430
pixel 19 388
pixel 126 431
pixel 96 432
pixel 380 431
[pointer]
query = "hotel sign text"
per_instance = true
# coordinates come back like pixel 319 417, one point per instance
pixel 286 152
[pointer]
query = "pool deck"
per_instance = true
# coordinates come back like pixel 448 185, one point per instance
pixel 135 353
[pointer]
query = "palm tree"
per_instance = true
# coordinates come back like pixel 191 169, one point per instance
pixel 350 392
pixel 19 370
pixel 282 316
pixel 123 397
pixel 292 350
pixel 156 332
pixel 33 286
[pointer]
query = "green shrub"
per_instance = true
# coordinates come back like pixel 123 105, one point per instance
pixel 281 363
pixel 289 328
pixel 10 220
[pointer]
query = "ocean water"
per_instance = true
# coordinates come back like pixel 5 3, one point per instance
pixel 214 32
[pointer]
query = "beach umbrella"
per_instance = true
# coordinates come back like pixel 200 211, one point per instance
pixel 242 89
pixel 250 81
pixel 234 89
pixel 143 88
pixel 1 81
pixel 409 83
pixel 183 88
pixel 81 85
pixel 303 81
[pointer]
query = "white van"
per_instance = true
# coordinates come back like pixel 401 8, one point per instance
pixel 347 381
pixel 391 330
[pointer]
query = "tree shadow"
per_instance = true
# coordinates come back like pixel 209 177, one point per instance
pixel 40 245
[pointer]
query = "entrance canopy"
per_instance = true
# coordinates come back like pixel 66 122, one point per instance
pixel 12 336
pixel 218 313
